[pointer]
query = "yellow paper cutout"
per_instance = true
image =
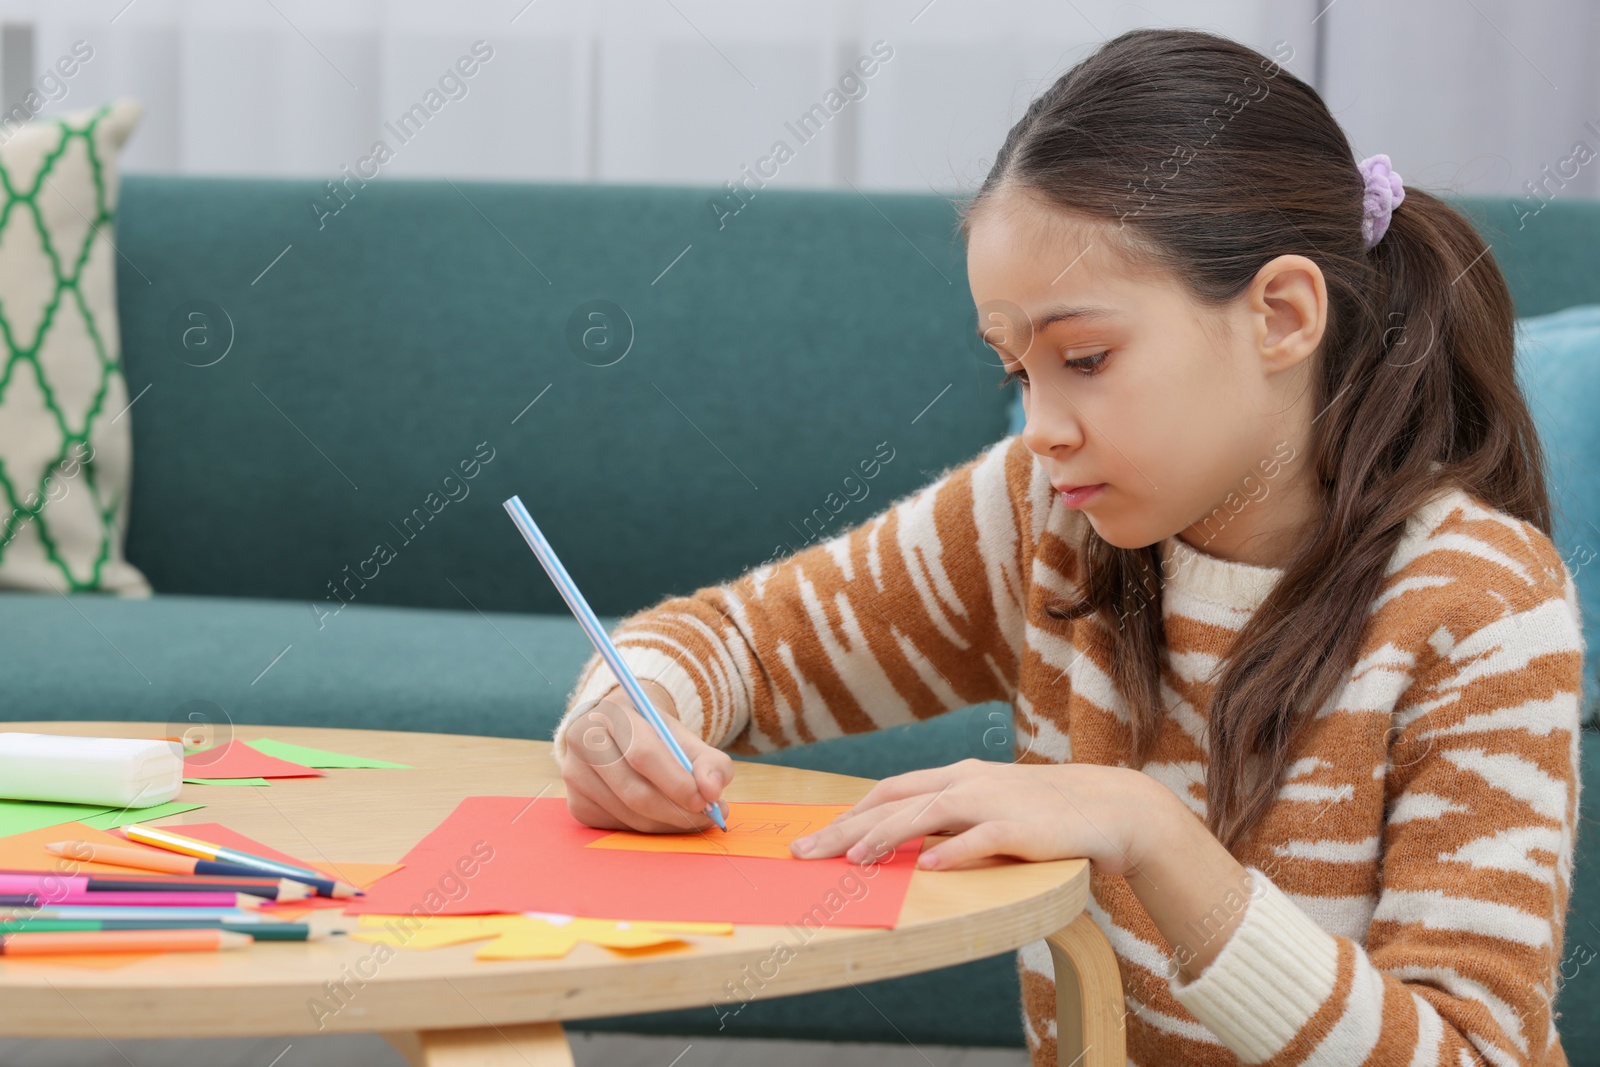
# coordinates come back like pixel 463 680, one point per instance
pixel 754 829
pixel 531 936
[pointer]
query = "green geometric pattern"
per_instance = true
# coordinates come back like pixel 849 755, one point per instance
pixel 64 465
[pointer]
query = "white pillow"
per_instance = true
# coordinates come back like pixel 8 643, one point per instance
pixel 65 440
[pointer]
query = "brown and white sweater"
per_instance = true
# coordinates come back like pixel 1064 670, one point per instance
pixel 1410 884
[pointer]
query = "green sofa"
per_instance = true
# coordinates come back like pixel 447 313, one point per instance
pixel 674 395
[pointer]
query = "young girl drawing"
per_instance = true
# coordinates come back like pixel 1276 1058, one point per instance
pixel 1300 678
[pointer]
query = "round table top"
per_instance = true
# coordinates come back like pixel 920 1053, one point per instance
pixel 949 917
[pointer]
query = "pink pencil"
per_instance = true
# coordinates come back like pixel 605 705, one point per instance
pixel 44 899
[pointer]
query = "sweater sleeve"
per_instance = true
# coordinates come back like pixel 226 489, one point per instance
pixel 1461 958
pixel 913 612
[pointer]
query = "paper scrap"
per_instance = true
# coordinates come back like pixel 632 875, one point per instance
pixel 319 757
pixel 110 820
pixel 226 781
pixel 754 829
pixel 20 816
pixel 525 936
pixel 26 852
pixel 238 760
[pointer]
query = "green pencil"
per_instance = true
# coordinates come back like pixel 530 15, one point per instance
pixel 262 931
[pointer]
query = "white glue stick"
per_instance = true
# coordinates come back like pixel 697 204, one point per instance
pixel 116 771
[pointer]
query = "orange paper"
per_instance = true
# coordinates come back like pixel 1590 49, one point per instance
pixel 26 852
pixel 753 830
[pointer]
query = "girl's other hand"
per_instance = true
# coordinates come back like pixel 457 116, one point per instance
pixel 620 775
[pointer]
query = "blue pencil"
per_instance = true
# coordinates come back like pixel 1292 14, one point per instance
pixel 601 640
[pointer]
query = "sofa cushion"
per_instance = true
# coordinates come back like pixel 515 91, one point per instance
pixel 367 667
pixel 64 425
pixel 1558 366
pixel 1578 997
pixel 766 362
pixel 269 661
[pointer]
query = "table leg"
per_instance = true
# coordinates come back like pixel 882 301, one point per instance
pixel 1089 1007
pixel 528 1045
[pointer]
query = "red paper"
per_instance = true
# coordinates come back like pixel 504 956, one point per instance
pixel 238 760
pixel 539 862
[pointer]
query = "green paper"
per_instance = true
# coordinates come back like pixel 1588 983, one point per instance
pixel 112 818
pixel 319 758
pixel 227 781
pixel 20 816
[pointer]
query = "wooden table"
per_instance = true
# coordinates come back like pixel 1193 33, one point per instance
pixel 442 1007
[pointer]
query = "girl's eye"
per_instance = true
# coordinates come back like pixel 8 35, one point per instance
pixel 1088 366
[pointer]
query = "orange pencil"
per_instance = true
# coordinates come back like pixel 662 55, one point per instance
pixel 55 944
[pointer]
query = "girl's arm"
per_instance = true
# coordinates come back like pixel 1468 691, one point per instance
pixel 1463 957
pixel 916 611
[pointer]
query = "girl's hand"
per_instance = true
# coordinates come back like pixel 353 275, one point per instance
pixel 620 775
pixel 1030 811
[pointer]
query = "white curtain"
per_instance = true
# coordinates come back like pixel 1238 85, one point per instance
pixel 1466 95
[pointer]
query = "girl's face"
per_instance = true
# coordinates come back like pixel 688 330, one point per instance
pixel 1196 420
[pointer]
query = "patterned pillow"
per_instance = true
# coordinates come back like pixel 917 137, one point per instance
pixel 65 443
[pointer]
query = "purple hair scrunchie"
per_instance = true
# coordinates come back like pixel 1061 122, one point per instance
pixel 1383 194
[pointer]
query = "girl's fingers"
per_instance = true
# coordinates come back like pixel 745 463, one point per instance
pixel 591 812
pixel 705 759
pixel 627 796
pixel 909 819
pixel 948 809
pixel 846 831
pixel 625 765
pixel 651 759
pixel 642 798
pixel 981 841
pixel 897 788
pixel 915 783
pixel 712 767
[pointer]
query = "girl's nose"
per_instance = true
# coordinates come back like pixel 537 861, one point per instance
pixel 1051 424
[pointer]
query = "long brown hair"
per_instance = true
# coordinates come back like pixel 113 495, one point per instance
pixel 1415 367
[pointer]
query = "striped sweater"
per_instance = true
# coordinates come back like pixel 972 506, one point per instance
pixel 1410 883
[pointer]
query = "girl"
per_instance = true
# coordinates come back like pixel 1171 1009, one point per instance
pixel 1267 578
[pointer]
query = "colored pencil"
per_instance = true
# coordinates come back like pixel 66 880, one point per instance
pixel 281 889
pixel 137 900
pixel 174 842
pixel 85 911
pixel 150 859
pixel 45 882
pixel 258 931
pixel 599 638
pixel 121 941
pixel 86 883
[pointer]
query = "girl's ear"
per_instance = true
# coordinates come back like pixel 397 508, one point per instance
pixel 1289 306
